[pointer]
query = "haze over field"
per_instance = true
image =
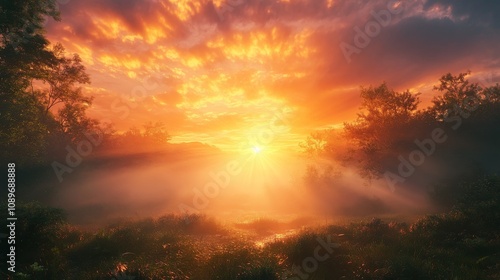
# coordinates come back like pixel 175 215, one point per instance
pixel 263 75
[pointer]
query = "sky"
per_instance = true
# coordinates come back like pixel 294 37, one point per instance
pixel 233 72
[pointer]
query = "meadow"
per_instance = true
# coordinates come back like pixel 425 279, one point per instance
pixel 462 243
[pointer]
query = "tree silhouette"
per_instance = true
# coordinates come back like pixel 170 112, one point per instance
pixel 63 80
pixel 381 124
pixel 23 54
pixel 23 46
pixel 390 128
pixel 458 94
pixel 152 134
pixel 35 118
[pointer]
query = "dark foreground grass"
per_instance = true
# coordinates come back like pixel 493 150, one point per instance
pixel 461 244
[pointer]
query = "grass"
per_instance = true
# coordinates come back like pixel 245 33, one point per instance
pixel 463 243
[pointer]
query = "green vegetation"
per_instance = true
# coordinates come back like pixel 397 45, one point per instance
pixel 460 244
pixel 391 125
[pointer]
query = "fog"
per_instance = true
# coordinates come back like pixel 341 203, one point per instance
pixel 232 187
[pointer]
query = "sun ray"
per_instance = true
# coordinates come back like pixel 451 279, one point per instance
pixel 256 149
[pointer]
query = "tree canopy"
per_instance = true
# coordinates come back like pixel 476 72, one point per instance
pixel 390 124
pixel 41 102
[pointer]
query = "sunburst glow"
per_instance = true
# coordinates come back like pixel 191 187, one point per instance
pixel 256 149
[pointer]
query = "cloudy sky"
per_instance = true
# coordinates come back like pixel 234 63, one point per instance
pixel 221 71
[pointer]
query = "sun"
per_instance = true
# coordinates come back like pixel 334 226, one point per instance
pixel 256 149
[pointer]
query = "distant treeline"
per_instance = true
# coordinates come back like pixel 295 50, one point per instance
pixel 453 139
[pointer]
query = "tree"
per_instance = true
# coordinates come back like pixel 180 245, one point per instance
pixel 370 141
pixel 62 80
pixel 492 94
pixel 33 117
pixel 383 121
pixel 152 134
pixel 386 106
pixel 62 92
pixel 316 143
pixel 156 132
pixel 23 46
pixel 23 54
pixel 458 95
pixel 23 133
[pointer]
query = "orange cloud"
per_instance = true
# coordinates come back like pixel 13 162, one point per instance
pixel 216 75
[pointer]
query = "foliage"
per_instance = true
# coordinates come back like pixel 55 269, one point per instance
pixel 23 129
pixel 381 123
pixel 390 122
pixel 322 142
pixel 457 95
pixel 23 47
pixel 460 244
pixel 152 134
pixel 31 121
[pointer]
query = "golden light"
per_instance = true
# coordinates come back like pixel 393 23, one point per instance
pixel 256 149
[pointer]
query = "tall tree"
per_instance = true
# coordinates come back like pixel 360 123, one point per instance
pixel 383 121
pixel 41 102
pixel 23 46
pixel 63 79
pixel 23 54
pixel 457 95
pixel 62 98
